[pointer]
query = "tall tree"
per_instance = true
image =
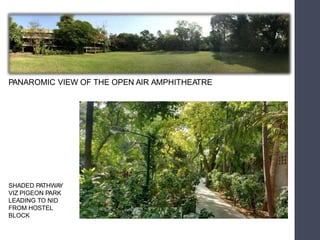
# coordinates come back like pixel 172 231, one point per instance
pixel 195 36
pixel 205 120
pixel 102 37
pixel 244 32
pixel 148 41
pixel 182 31
pixel 160 40
pixel 88 138
pixel 266 164
pixel 189 35
pixel 277 137
pixel 15 36
pixel 64 34
pixel 221 29
pixel 241 38
pixel 237 155
pixel 74 35
pixel 35 36
pixel 272 31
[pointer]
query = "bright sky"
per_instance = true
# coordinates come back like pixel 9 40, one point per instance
pixel 116 24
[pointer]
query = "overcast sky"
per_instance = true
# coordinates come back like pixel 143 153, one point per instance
pixel 116 24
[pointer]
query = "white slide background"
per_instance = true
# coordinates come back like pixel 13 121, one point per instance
pixel 39 130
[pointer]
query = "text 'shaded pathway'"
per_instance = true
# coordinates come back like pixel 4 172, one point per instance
pixel 209 200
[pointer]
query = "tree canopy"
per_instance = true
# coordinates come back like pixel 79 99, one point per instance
pixel 74 35
pixel 248 32
pixel 185 37
pixel 15 36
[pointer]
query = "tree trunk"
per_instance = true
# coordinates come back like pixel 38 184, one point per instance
pixel 273 166
pixel 206 163
pixel 266 165
pixel 101 145
pixel 213 157
pixel 88 140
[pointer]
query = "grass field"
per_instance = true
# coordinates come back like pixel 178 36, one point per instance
pixel 151 62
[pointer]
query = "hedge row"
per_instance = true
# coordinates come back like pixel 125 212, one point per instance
pixel 245 190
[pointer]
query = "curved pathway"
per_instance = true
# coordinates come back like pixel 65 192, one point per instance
pixel 209 200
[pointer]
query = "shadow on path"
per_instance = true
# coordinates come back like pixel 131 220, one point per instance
pixel 209 200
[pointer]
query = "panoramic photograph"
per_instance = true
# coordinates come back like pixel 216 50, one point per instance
pixel 183 160
pixel 217 43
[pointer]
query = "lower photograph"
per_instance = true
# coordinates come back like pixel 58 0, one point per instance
pixel 183 160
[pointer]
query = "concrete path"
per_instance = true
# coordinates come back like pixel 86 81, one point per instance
pixel 209 200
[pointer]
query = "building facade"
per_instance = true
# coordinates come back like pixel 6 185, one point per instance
pixel 37 39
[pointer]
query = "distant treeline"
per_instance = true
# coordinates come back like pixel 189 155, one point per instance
pixel 229 32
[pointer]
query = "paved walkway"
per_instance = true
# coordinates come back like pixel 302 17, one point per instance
pixel 209 200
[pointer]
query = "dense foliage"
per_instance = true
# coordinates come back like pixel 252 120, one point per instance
pixel 282 204
pixel 104 196
pixel 124 184
pixel 15 36
pixel 246 190
pixel 254 33
pixel 185 37
pixel 230 32
pixel 147 157
pixel 73 35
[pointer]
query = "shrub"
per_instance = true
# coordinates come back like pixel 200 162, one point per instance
pixel 102 199
pixel 135 187
pixel 189 206
pixel 204 213
pixel 236 187
pixel 247 190
pixel 216 180
pixel 103 196
pixel 93 197
pixel 226 183
pixel 282 204
pixel 252 193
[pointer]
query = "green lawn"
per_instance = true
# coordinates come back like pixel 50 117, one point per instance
pixel 151 62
